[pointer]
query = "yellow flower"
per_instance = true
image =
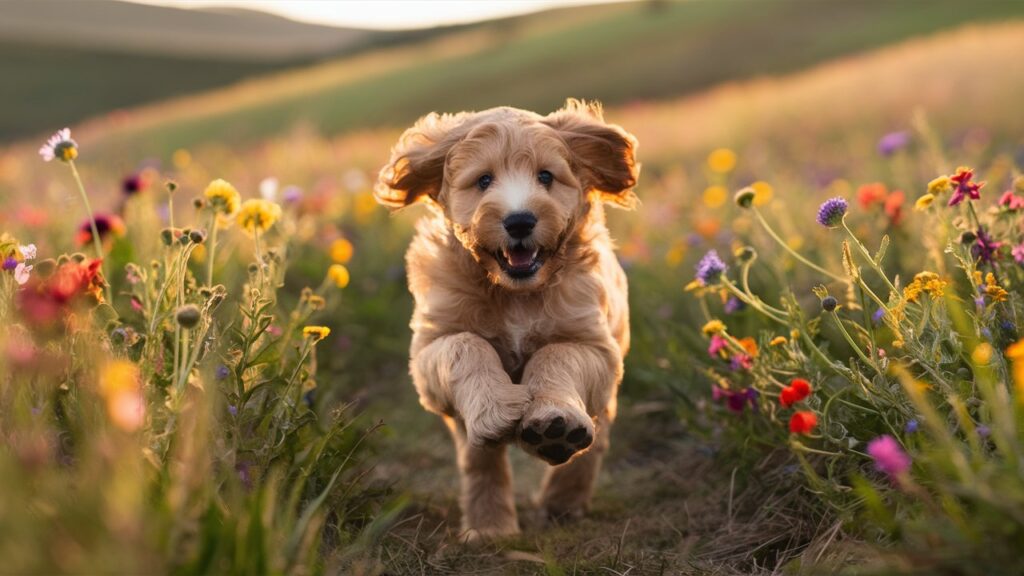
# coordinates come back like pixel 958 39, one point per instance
pixel 994 290
pixel 777 341
pixel 939 186
pixel 924 202
pixel 222 196
pixel 258 215
pixel 722 160
pixel 120 386
pixel 339 275
pixel 341 251
pixel 925 283
pixel 763 193
pixel 1015 353
pixel 715 196
pixel 674 256
pixel 181 158
pixel 713 327
pixel 365 206
pixel 317 333
pixel 982 354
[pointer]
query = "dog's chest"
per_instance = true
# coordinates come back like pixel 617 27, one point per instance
pixel 517 331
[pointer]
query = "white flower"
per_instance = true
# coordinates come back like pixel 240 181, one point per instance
pixel 21 273
pixel 268 189
pixel 60 146
pixel 28 252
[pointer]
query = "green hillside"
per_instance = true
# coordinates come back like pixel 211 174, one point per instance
pixel 613 53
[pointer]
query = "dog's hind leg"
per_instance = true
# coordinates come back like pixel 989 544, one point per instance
pixel 487 499
pixel 565 491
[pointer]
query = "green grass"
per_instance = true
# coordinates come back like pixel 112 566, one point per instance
pixel 618 55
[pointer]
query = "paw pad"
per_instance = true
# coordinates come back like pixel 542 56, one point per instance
pixel 554 440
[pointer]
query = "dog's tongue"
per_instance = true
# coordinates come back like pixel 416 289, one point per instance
pixel 520 257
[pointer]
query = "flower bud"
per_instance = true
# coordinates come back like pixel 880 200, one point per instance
pixel 745 197
pixel 187 316
pixel 745 254
pixel 167 236
pixel 829 303
pixel 968 238
pixel 197 236
pixel 171 186
pixel 198 203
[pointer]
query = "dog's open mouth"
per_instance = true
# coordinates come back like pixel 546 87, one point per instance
pixel 519 261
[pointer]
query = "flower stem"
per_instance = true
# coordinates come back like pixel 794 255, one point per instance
pixel 793 253
pixel 867 256
pixel 92 224
pixel 213 248
pixel 853 344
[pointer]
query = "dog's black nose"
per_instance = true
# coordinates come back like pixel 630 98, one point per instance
pixel 519 225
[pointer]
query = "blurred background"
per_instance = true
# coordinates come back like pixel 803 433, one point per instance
pixel 802 99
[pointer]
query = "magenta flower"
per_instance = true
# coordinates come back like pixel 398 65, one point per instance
pixel 717 346
pixel 1018 253
pixel 1011 201
pixel 889 456
pixel 963 187
pixel 985 249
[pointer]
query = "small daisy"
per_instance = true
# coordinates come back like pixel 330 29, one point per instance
pixel 60 146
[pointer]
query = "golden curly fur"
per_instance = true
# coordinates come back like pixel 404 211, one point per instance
pixel 519 334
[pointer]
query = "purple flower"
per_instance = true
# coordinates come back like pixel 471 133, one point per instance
pixel 292 194
pixel 893 142
pixel 734 305
pixel 831 212
pixel 983 431
pixel 222 372
pixel 735 401
pixel 132 184
pixel 889 456
pixel 985 248
pixel 911 426
pixel 10 263
pixel 710 268
pixel 232 410
pixel 877 317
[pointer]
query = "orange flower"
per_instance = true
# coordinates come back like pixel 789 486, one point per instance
pixel 870 194
pixel 803 422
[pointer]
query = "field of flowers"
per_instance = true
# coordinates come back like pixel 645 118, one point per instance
pixel 203 356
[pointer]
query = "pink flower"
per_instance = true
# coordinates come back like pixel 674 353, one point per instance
pixel 717 347
pixel 889 456
pixel 1018 253
pixel 21 273
pixel 1011 200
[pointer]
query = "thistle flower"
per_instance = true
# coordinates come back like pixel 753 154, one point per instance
pixel 60 146
pixel 963 187
pixel 710 268
pixel 831 212
pixel 339 275
pixel 258 215
pixel 316 333
pixel 889 456
pixel 803 422
pixel 10 263
pixel 223 197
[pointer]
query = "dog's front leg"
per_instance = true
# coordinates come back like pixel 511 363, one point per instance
pixel 461 377
pixel 574 390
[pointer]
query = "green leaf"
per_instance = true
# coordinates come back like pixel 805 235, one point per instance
pixel 881 250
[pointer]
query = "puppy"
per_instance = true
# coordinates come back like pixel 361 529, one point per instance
pixel 521 320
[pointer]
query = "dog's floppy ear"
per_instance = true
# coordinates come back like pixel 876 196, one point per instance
pixel 416 169
pixel 603 154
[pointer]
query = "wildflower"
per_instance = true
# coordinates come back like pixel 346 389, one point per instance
pixel 713 327
pixel 967 237
pixel 803 422
pixel 222 197
pixel 718 348
pixel 1018 253
pixel 985 250
pixel 831 212
pixel 339 275
pixel 10 263
pixel 778 341
pixel 993 290
pixel 722 160
pixel 829 303
pixel 710 268
pixel 911 426
pixel 983 431
pixel 107 225
pixel 316 333
pixel 924 202
pixel 1015 354
pixel 925 283
pixel 28 252
pixel 893 142
pixel 1011 201
pixel 889 456
pixel 871 194
pixel 893 206
pixel 60 146
pixel 715 196
pixel 258 215
pixel 268 189
pixel 741 362
pixel 21 273
pixel 136 183
pixel 763 193
pixel 735 401
pixel 963 187
pixel 341 251
pixel 120 385
pixel 291 194
pixel 939 186
pixel 733 305
pixel 197 236
pixel 798 390
pixel 745 197
pixel 222 372
pixel 982 354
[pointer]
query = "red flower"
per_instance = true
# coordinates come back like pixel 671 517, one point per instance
pixel 869 194
pixel 894 206
pixel 44 303
pixel 797 390
pixel 963 187
pixel 803 422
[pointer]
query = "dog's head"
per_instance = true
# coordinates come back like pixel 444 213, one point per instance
pixel 513 185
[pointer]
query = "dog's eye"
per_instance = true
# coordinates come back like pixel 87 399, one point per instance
pixel 484 181
pixel 545 178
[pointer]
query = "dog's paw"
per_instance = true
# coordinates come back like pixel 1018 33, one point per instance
pixel 493 417
pixel 555 432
